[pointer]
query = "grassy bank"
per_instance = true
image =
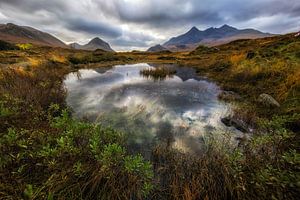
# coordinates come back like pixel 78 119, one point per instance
pixel 47 154
pixel 253 67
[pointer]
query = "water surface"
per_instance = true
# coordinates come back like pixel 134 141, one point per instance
pixel 179 111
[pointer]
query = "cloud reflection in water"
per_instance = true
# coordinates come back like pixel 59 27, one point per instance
pixel 179 111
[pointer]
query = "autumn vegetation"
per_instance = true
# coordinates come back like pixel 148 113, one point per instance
pixel 48 154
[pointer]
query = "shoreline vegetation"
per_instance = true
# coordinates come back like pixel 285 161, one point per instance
pixel 158 73
pixel 47 154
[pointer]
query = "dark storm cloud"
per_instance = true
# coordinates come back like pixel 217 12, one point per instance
pixel 158 12
pixel 86 26
pixel 61 13
pixel 139 23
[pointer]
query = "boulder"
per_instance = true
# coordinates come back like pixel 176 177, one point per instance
pixel 268 100
pixel 236 123
pixel 229 96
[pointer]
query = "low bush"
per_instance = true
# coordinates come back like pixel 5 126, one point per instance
pixel 72 159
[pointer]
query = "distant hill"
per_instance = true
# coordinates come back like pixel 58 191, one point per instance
pixel 93 45
pixel 23 34
pixel 75 45
pixel 211 37
pixel 157 48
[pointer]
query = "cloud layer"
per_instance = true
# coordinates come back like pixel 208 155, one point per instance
pixel 130 24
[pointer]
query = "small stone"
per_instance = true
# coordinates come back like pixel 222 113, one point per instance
pixel 268 100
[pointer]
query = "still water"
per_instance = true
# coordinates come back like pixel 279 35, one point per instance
pixel 181 110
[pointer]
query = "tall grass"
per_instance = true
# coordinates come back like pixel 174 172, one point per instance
pixel 158 73
pixel 46 154
pixel 262 167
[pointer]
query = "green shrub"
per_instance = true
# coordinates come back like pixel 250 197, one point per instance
pixel 73 152
pixel 25 46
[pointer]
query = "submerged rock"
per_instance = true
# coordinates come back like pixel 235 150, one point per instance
pixel 268 100
pixel 236 123
pixel 229 96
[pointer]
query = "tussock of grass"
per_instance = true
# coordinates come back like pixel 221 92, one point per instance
pixel 158 73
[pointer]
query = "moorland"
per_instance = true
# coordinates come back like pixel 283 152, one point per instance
pixel 48 154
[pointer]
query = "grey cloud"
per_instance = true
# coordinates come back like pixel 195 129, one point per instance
pixel 121 22
pixel 158 12
pixel 92 27
pixel 124 42
pixel 133 39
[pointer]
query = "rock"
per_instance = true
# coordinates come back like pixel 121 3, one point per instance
pixel 268 100
pixel 236 123
pixel 229 96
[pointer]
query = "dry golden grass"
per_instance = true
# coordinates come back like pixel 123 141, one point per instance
pixel 237 58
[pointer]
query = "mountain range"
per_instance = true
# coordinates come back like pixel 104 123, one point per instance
pixel 13 33
pixel 211 37
pixel 94 44
pixel 186 42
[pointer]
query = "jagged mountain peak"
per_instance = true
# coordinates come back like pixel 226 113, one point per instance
pixel 96 40
pixel 226 27
pixel 212 36
pixel 92 45
pixel 194 29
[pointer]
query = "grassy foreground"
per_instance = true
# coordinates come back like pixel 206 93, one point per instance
pixel 46 154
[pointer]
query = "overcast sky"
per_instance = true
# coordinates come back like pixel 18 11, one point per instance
pixel 138 24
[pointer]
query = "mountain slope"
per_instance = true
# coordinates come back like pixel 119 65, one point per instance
pixel 93 45
pixel 211 37
pixel 157 48
pixel 23 34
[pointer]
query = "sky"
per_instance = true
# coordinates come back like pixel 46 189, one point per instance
pixel 139 24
